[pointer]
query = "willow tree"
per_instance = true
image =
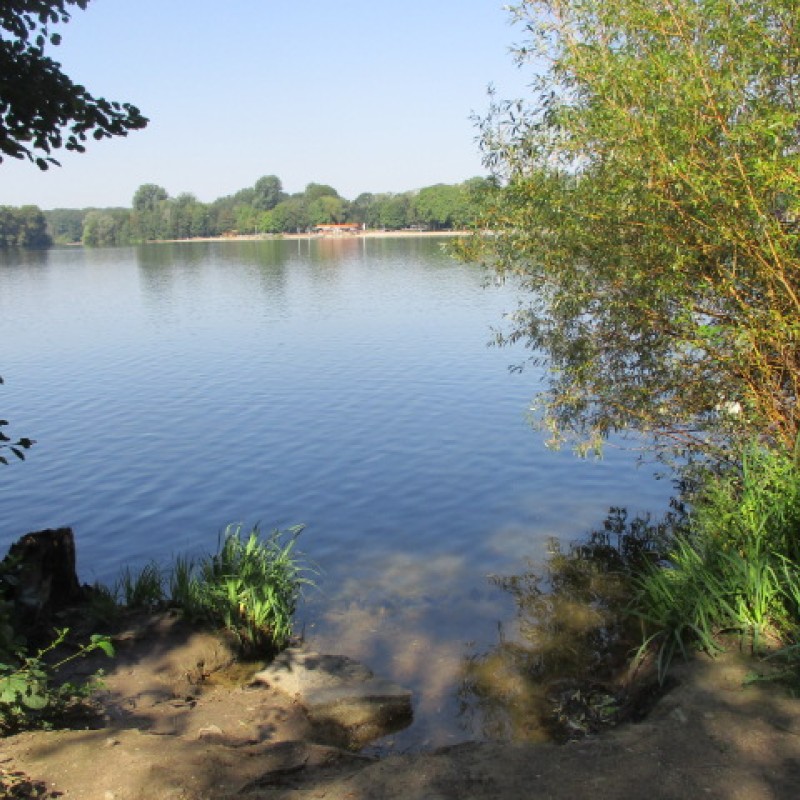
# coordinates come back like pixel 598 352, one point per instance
pixel 648 199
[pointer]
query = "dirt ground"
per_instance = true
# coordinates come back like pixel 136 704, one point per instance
pixel 169 731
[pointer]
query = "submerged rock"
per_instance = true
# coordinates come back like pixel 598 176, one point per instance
pixel 346 703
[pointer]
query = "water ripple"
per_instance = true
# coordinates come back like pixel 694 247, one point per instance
pixel 176 389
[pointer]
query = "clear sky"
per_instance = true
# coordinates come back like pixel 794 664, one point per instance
pixel 364 95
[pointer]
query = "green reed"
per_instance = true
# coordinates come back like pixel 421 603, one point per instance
pixel 735 568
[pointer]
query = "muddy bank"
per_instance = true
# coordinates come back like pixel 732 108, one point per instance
pixel 176 722
pixel 178 716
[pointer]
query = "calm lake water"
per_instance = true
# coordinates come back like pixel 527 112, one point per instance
pixel 346 385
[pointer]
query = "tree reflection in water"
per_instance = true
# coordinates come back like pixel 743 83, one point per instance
pixel 562 668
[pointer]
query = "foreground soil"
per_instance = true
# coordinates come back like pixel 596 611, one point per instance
pixel 178 722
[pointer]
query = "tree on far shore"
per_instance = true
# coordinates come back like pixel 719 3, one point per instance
pixel 268 192
pixel 23 227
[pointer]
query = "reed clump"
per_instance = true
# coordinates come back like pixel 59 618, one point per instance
pixel 733 565
pixel 250 587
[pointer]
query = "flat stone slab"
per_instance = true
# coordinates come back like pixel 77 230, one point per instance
pixel 345 702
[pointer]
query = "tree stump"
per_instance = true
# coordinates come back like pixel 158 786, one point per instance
pixel 39 575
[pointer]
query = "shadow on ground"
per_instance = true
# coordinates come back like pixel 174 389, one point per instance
pixel 710 737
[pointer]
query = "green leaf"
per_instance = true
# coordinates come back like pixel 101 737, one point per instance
pixel 103 643
pixel 35 701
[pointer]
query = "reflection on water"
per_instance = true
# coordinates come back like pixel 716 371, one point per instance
pixel 560 669
pixel 174 389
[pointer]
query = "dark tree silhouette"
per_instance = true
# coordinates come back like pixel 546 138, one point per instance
pixel 41 108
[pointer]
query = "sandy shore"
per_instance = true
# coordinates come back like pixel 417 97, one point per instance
pixel 167 735
pixel 368 234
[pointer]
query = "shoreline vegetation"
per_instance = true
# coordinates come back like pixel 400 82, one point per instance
pixel 564 690
pixel 599 623
pixel 261 210
pixel 646 195
pixel 247 590
pixel 291 237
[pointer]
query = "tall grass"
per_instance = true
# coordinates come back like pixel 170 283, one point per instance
pixel 140 590
pixel 678 603
pixel 250 586
pixel 184 587
pixel 736 567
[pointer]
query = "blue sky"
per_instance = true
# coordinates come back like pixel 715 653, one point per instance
pixel 365 95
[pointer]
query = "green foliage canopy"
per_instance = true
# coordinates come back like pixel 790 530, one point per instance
pixel 262 208
pixel 267 192
pixel 23 227
pixel 148 196
pixel 326 209
pixel 65 225
pixel 106 228
pixel 649 202
pixel 442 206
pixel 41 109
pixel 314 191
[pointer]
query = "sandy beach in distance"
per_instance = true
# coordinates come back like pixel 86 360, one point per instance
pixel 368 234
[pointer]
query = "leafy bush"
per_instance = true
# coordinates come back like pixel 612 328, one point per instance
pixel 29 695
pixel 646 200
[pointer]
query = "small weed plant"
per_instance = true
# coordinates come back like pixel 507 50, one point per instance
pixel 29 694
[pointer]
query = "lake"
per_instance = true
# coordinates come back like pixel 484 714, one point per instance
pixel 343 384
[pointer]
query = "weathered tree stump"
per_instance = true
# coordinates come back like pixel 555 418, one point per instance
pixel 39 575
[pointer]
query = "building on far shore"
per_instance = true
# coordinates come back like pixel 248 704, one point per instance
pixel 339 229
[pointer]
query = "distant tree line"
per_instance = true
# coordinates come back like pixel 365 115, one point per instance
pixel 23 227
pixel 264 208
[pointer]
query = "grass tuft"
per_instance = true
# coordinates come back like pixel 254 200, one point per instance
pixel 250 586
pixel 736 565
pixel 142 590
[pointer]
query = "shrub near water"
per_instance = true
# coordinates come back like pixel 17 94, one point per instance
pixel 736 567
pixel 30 694
pixel 250 586
pixel 32 690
